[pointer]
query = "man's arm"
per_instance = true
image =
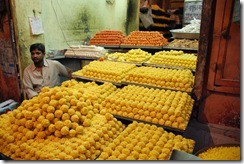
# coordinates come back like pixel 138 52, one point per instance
pixel 63 70
pixel 28 86
pixel 69 72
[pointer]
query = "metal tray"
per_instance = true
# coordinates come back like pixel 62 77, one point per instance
pixel 214 146
pixel 140 46
pixel 97 80
pixel 184 35
pixel 167 128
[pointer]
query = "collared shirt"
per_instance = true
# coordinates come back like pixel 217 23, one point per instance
pixel 35 80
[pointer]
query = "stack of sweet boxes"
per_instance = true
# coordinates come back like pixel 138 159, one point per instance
pixel 8 105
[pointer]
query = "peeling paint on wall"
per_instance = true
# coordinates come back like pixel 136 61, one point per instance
pixel 72 27
pixel 132 15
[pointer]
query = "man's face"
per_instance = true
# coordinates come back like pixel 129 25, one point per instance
pixel 37 56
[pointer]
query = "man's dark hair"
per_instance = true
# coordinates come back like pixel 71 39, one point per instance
pixel 38 46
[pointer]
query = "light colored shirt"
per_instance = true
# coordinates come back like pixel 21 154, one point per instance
pixel 35 80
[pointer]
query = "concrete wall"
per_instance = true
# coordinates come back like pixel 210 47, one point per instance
pixel 70 22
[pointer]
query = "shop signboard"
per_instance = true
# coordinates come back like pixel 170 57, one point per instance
pixel 192 10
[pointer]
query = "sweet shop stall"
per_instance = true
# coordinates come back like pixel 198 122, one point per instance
pixel 148 93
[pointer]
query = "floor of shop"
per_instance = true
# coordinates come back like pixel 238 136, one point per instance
pixel 210 134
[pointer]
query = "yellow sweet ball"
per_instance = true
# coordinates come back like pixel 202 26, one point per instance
pixel 45 123
pixel 91 141
pixel 137 148
pixel 163 156
pixel 135 154
pixel 30 134
pixel 182 126
pixel 74 125
pixel 58 134
pixel 108 150
pixel 44 107
pixel 65 116
pixel 45 100
pixel 119 148
pixel 150 146
pixel 125 151
pixel 166 117
pixel 145 150
pixel 68 123
pixel 89 116
pixel 71 111
pixel 82 149
pixel 58 125
pixel 50 116
pixel 142 157
pixel 116 153
pixel 124 143
pixel 154 153
pixel 108 116
pixel 103 156
pixel 62 101
pixel 161 121
pixel 10 139
pixel 148 119
pixel 36 114
pixel 155 120
pixel 130 157
pixel 72 133
pixel 122 156
pixel 50 109
pixel 87 145
pixel 40 118
pixel 45 89
pixel 79 129
pixel 175 125
pixel 103 111
pixel 142 117
pixel 129 146
pixel 84 111
pixel 153 141
pixel 28 115
pixel 14 128
pixel 75 118
pixel 166 151
pixel 51 128
pixel 64 130
pixel 87 123
pixel 18 110
pixel 41 135
pixel 58 95
pixel 19 116
pixel 29 124
pixel 168 123
pixel 64 108
pixel 73 101
pixel 53 103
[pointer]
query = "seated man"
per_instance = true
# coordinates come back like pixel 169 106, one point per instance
pixel 42 72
